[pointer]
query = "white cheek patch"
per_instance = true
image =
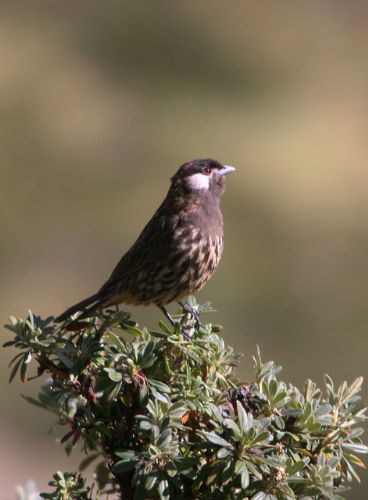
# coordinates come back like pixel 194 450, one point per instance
pixel 199 181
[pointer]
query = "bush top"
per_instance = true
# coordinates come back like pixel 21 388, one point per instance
pixel 165 416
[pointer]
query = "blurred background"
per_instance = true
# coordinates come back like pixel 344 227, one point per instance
pixel 100 104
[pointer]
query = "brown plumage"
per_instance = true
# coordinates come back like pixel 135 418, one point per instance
pixel 177 251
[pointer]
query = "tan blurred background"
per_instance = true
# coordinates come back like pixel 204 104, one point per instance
pixel 102 101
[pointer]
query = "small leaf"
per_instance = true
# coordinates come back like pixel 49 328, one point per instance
pixel 161 397
pixel 9 343
pixel 35 402
pixel 262 436
pixel 165 438
pixel 133 330
pixel 217 440
pixel 124 465
pixel 352 390
pixel 232 425
pixel 296 467
pixel 245 421
pixel 150 482
pixel 128 461
pixel 163 327
pixel 163 490
pixel 23 371
pixel 15 369
pixel 114 393
pixel 177 409
pixel 244 477
pixel 260 496
pixel 356 447
pixel 223 452
pixel 88 460
pixel 126 454
pixel 355 460
pixel 143 393
pixel 114 375
pixel 69 363
pixel 160 386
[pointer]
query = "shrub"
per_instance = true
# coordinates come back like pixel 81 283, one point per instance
pixel 164 415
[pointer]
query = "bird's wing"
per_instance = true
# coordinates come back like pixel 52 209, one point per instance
pixel 150 246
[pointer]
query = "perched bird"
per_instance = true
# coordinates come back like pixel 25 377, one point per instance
pixel 177 251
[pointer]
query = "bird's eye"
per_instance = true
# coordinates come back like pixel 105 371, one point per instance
pixel 207 170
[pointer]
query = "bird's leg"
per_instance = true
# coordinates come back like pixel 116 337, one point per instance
pixel 190 310
pixel 166 313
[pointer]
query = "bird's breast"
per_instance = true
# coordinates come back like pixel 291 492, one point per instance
pixel 198 253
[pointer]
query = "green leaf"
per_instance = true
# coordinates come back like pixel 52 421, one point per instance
pixel 160 397
pixel 115 391
pixel 280 399
pixel 217 440
pixel 232 425
pixel 150 482
pixel 9 343
pixel 165 438
pixel 163 490
pixel 164 327
pixel 245 420
pixel 296 467
pixel 117 341
pixel 124 465
pixel 88 460
pixel 126 454
pixel 133 330
pixel 160 386
pixel 177 409
pixel 128 461
pixel 260 496
pixel 35 402
pixel 262 436
pixel 68 362
pixel 15 369
pixel 114 376
pixel 356 447
pixel 244 477
pixel 143 393
pixel 223 452
pixel 23 371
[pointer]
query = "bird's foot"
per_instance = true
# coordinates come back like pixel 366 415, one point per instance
pixel 184 327
pixel 193 312
pixel 167 315
pixel 185 331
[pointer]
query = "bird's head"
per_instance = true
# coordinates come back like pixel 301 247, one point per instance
pixel 200 176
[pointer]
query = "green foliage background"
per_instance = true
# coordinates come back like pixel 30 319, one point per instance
pixel 101 104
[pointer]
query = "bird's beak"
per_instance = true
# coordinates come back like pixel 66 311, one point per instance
pixel 226 169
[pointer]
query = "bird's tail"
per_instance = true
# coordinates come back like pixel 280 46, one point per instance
pixel 87 305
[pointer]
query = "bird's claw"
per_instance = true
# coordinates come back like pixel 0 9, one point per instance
pixel 184 327
pixel 185 332
pixel 193 312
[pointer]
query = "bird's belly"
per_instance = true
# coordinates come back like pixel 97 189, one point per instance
pixel 185 269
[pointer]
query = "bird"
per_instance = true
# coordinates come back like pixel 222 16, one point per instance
pixel 178 250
